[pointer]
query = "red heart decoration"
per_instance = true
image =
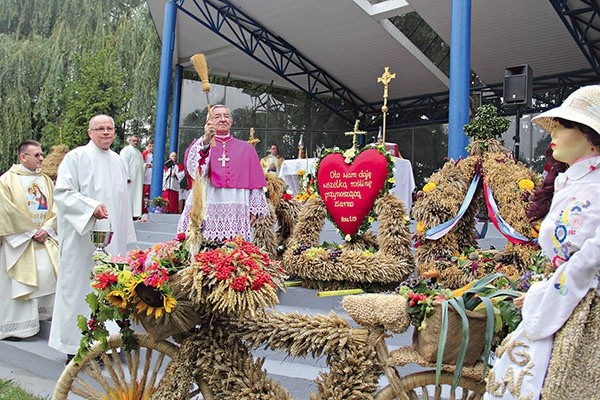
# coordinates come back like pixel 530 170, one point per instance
pixel 349 191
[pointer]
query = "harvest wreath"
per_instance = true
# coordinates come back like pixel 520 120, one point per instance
pixel 489 182
pixel 508 184
pixel 364 260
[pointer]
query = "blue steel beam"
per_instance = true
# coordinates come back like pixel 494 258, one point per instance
pixel 164 88
pixel 275 53
pixel 460 74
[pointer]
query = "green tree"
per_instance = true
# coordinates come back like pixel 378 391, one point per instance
pixel 62 61
pixel 97 87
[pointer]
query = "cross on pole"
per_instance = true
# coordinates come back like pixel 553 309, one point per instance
pixel 385 79
pixel 355 133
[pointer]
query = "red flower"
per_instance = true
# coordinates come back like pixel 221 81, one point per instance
pixel 223 271
pixel 259 280
pixel 287 196
pixel 104 280
pixel 156 278
pixel 415 298
pixel 180 236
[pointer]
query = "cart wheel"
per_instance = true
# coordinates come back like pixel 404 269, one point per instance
pixel 126 375
pixel 421 385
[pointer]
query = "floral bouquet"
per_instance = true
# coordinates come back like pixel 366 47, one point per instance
pixel 423 294
pixel 483 311
pixel 157 205
pixel 136 286
pixel 307 188
pixel 236 278
pixel 168 290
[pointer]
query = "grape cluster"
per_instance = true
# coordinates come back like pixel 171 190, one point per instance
pixel 211 245
pixel 411 282
pixel 335 253
pixel 419 285
pixel 300 249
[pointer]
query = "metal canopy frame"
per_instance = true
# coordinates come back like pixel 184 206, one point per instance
pixel 581 17
pixel 276 54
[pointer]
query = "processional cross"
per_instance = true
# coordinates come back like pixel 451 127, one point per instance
pixel 355 133
pixel 385 79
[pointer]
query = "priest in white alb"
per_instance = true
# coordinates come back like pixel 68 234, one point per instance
pixel 135 168
pixel 232 179
pixel 90 193
pixel 28 245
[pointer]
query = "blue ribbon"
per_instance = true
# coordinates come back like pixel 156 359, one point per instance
pixel 442 229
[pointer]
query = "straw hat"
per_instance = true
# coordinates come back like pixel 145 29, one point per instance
pixel 583 106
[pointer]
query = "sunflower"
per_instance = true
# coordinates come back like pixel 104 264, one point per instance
pixel 117 298
pixel 152 301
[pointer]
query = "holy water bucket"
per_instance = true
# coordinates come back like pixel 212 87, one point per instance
pixel 101 239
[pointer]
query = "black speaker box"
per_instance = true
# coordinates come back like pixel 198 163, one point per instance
pixel 518 85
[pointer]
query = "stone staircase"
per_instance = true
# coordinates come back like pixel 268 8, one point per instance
pixel 296 374
pixel 157 228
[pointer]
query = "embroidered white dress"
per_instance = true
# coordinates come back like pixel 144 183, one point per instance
pixel 570 237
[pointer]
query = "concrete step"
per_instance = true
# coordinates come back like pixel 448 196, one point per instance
pixel 155 236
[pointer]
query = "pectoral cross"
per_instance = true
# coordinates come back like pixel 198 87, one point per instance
pixel 224 159
pixel 355 133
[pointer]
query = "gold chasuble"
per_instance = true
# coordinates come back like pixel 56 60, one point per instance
pixel 22 193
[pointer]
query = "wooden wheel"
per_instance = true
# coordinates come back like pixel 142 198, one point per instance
pixel 421 385
pixel 120 375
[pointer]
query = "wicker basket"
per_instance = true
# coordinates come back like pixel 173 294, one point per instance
pixel 426 341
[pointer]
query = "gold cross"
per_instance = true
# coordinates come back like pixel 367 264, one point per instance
pixel 355 133
pixel 385 79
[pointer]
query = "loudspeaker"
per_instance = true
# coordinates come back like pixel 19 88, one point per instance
pixel 518 85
